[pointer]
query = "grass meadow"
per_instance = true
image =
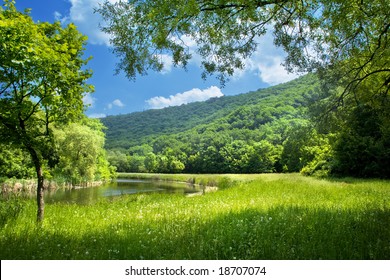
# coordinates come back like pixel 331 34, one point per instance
pixel 268 216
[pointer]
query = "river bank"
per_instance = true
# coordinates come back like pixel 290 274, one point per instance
pixel 29 186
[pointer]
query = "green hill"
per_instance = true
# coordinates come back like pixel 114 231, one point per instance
pixel 248 110
pixel 247 133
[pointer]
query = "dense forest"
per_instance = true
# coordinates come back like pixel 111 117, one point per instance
pixel 277 129
pixel 128 130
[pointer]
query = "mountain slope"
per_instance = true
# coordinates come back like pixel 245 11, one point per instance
pixel 248 111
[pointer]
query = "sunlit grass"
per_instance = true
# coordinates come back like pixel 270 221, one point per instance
pixel 254 217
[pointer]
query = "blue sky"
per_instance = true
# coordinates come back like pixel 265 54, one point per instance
pixel 115 94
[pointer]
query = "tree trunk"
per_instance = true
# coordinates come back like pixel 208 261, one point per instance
pixel 40 200
pixel 38 169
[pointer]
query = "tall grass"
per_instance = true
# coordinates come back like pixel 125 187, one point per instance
pixel 256 217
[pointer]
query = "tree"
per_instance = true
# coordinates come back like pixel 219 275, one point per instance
pixel 151 162
pixel 42 82
pixel 350 38
pixel 262 157
pixel 136 163
pixel 119 160
pixel 363 147
pixel 80 152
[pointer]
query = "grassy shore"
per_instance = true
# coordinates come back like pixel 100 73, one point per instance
pixel 270 216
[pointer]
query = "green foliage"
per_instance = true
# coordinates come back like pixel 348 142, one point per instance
pixel 81 154
pixel 15 163
pixel 239 134
pixel 307 151
pixel 321 162
pixel 118 159
pixel 243 111
pixel 40 72
pixel 271 130
pixel 363 146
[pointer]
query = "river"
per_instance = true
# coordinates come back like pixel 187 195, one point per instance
pixel 117 188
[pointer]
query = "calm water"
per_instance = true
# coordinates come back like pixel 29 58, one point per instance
pixel 119 187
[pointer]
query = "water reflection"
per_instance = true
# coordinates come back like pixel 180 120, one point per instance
pixel 117 188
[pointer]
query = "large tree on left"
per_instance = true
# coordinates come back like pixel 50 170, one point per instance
pixel 42 82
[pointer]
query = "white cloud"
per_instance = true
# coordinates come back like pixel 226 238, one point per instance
pixel 117 103
pixel 58 16
pixel 266 62
pixel 97 116
pixel 167 62
pixel 272 72
pixel 82 14
pixel 193 95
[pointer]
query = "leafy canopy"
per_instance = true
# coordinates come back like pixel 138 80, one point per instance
pixel 41 75
pixel 349 37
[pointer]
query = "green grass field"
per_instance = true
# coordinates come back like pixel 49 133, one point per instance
pixel 251 217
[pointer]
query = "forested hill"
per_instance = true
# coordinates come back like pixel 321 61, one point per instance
pixel 247 110
pixel 263 131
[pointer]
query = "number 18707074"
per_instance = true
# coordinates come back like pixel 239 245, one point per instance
pixel 242 270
